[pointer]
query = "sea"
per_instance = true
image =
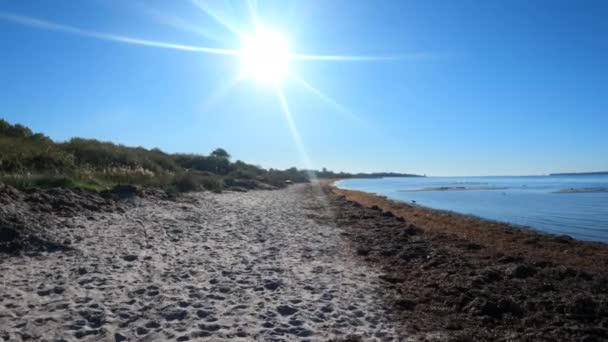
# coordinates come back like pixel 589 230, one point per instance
pixel 575 205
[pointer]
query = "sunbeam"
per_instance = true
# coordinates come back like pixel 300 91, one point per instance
pixel 293 129
pixel 215 16
pixel 47 25
pixel 356 58
pixel 301 148
pixel 178 23
pixel 338 107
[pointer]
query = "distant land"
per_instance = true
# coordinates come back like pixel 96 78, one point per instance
pixel 330 174
pixel 580 173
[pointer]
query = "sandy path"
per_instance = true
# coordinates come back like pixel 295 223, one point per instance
pixel 249 266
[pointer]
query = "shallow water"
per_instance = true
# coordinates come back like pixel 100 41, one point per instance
pixel 532 201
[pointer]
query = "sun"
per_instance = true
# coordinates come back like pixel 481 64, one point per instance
pixel 265 57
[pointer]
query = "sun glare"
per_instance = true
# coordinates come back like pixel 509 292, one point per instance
pixel 265 57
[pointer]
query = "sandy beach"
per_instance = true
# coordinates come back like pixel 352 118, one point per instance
pixel 262 265
pixel 302 263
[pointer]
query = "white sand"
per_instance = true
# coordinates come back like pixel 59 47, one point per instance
pixel 248 266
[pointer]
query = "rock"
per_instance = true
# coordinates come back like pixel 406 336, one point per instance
pixel 286 310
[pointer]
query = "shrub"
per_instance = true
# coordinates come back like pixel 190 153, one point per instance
pixel 212 184
pixel 187 182
pixel 32 159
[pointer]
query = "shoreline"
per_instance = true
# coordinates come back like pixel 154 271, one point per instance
pixel 452 277
pixel 504 237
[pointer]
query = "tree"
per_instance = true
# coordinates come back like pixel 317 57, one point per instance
pixel 220 153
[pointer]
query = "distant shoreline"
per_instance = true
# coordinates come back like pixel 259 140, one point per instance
pixel 597 173
pixel 456 188
pixel 580 190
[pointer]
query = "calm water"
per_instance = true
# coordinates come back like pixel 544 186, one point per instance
pixel 528 201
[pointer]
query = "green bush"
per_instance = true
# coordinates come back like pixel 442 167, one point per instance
pixel 212 184
pixel 187 182
pixel 101 155
pixel 30 159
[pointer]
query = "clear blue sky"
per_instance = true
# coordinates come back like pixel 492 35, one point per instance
pixel 483 88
